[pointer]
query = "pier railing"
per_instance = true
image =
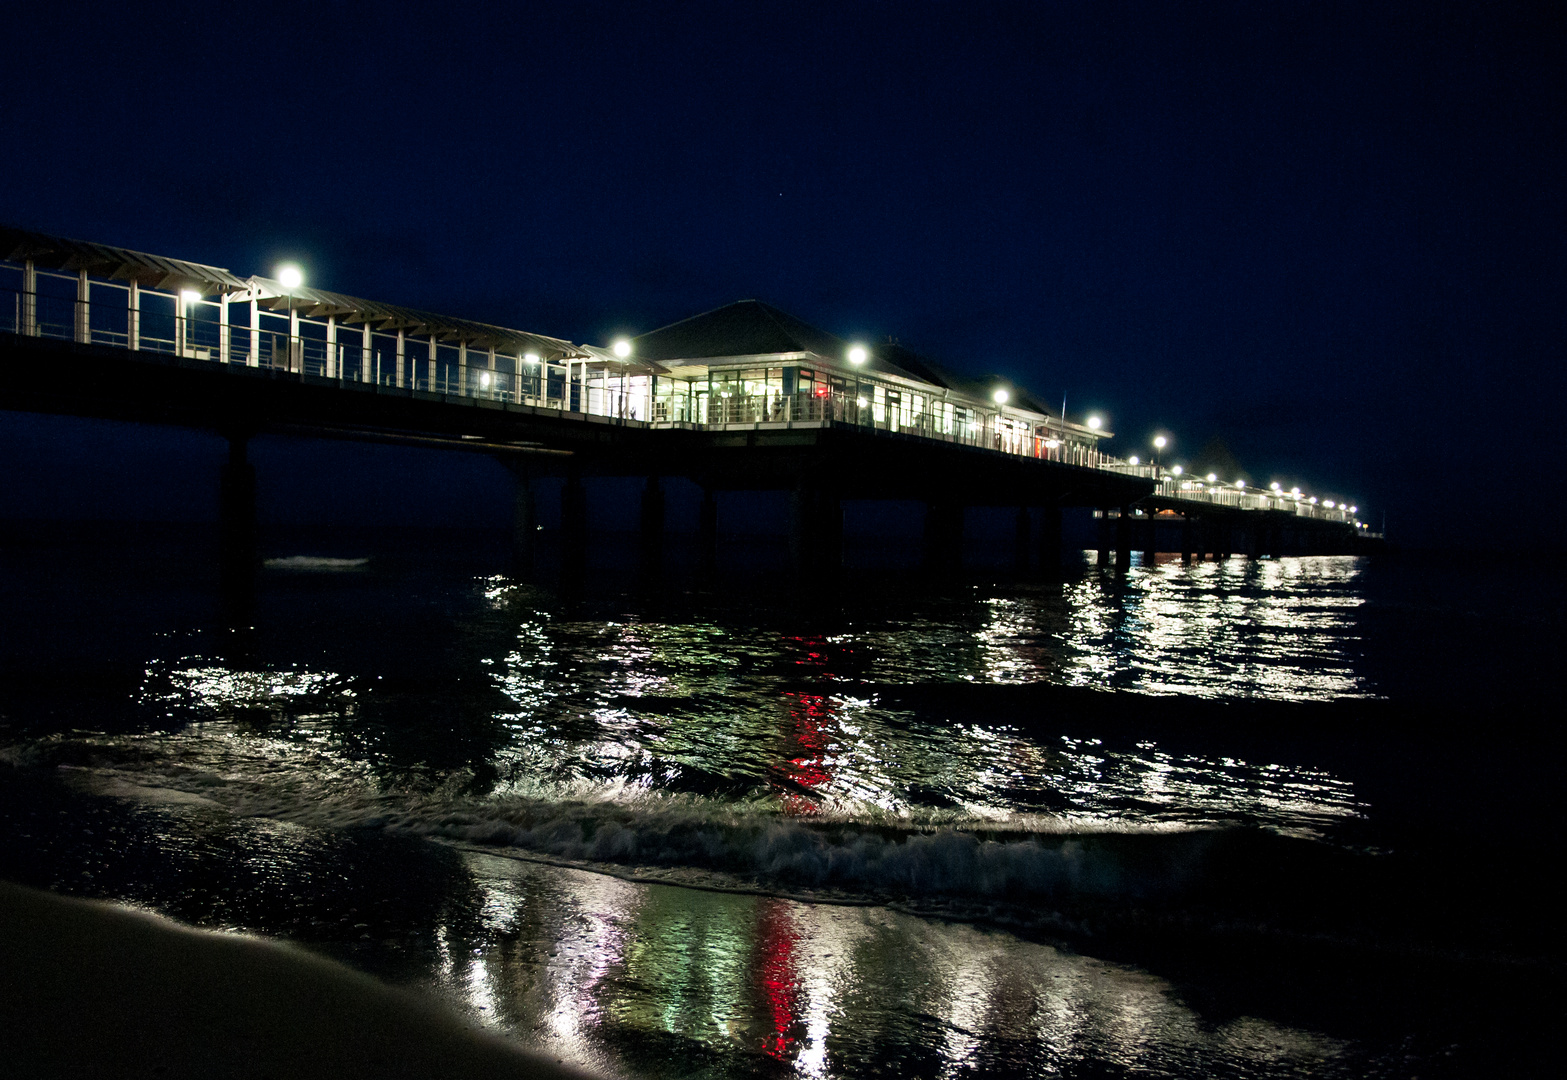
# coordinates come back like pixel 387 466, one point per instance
pixel 196 328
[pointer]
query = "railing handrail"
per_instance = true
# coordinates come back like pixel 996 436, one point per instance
pixel 552 385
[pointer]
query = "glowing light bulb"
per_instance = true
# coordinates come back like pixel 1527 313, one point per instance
pixel 1177 470
pixel 857 354
pixel 531 358
pixel 1000 396
pixel 289 276
pixel 622 348
pixel 1130 461
pixel 1159 442
pixel 1094 422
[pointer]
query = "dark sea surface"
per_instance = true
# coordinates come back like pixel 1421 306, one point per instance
pixel 1255 818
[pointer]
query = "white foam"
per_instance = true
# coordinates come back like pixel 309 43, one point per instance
pixel 316 563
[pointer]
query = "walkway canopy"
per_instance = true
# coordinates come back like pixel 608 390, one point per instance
pixel 177 275
pixel 116 264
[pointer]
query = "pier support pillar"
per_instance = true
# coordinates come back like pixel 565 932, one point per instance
pixel 237 522
pixel 1023 541
pixel 652 524
pixel 1123 539
pixel 707 529
pixel 1186 540
pixel 1150 539
pixel 524 525
pixel 1104 536
pixel 573 526
pixel 1050 539
pixel 815 528
pixel 943 537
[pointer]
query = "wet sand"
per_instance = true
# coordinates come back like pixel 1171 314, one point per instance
pixel 95 989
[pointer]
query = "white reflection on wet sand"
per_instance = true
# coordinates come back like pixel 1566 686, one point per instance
pixel 593 968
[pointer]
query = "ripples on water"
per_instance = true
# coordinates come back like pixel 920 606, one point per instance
pixel 779 710
pixel 745 740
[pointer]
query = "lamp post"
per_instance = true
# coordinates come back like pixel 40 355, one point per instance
pixel 1000 396
pixel 290 277
pixel 622 350
pixel 182 324
pixel 532 360
pixel 857 356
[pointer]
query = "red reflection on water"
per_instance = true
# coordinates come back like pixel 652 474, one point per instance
pixel 810 715
pixel 777 940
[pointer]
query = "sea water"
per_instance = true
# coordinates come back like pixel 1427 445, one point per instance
pixel 1253 818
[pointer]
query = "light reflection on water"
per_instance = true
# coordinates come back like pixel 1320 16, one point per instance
pixel 723 709
pixel 591 964
pixel 752 711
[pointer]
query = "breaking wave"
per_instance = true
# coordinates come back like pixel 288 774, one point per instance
pixel 316 564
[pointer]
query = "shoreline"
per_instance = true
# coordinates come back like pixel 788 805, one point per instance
pixel 89 988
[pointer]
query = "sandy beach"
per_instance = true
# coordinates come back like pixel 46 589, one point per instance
pixel 94 989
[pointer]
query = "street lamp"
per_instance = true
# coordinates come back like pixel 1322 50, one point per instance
pixel 290 277
pixel 1000 396
pixel 1176 470
pixel 187 298
pixel 857 356
pixel 1094 423
pixel 1133 460
pixel 1213 477
pixel 621 348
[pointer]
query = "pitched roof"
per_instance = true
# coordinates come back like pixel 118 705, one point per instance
pixel 753 328
pixel 744 328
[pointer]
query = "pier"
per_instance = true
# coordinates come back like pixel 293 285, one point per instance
pixel 745 397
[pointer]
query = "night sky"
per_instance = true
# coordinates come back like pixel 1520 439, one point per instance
pixel 1329 235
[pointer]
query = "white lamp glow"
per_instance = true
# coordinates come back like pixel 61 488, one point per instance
pixel 1094 422
pixel 857 354
pixel 289 276
pixel 622 348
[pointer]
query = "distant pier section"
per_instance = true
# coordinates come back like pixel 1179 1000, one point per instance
pixel 742 397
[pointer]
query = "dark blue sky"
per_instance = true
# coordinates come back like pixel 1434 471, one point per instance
pixel 1329 234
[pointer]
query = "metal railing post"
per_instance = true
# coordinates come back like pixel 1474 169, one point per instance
pixel 83 319
pixel 29 299
pixel 225 334
pixel 133 316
